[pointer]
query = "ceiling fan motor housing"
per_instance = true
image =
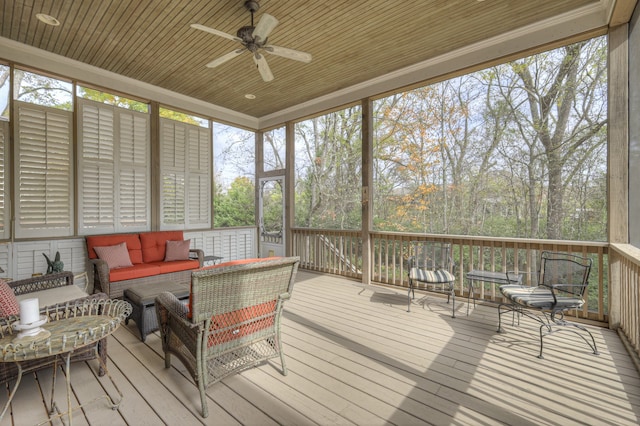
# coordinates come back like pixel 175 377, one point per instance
pixel 246 34
pixel 252 5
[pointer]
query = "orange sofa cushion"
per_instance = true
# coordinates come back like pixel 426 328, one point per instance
pixel 176 265
pixel 132 240
pixel 154 244
pixel 140 270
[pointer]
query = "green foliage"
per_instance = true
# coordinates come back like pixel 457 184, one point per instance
pixel 111 99
pixel 272 198
pixel 236 206
pixel 180 116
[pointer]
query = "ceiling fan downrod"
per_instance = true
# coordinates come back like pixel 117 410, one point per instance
pixel 246 33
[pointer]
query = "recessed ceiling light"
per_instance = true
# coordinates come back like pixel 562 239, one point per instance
pixel 47 19
pixel 250 96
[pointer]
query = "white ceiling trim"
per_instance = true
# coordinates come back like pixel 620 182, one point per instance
pixel 41 59
pixel 562 26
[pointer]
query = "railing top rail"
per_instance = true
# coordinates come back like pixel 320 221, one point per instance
pixel 570 245
pixel 629 252
pixel 476 238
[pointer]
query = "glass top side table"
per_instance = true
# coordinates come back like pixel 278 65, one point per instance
pixel 68 328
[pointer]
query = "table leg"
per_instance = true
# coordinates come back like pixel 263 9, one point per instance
pixel 470 295
pixel 67 370
pixel 54 406
pixel 13 391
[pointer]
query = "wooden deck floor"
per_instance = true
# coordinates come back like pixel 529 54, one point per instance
pixel 362 359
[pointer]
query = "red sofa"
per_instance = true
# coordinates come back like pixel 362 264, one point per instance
pixel 147 254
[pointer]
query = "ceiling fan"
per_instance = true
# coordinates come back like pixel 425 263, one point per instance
pixel 254 39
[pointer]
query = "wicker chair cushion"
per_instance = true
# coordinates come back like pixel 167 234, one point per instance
pixel 8 302
pixel 222 265
pixel 225 327
pixel 53 296
pixel 539 297
pixel 116 256
pixel 177 250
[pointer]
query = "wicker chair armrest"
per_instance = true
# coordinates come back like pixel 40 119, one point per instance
pixel 101 281
pixel 42 282
pixel 199 255
pixel 284 296
pixel 169 307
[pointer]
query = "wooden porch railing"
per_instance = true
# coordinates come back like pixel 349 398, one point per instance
pixel 340 252
pixel 626 261
pixel 324 250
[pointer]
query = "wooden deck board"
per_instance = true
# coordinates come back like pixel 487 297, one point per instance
pixel 362 359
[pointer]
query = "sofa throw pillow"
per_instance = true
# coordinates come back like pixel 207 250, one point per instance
pixel 8 302
pixel 116 256
pixel 177 250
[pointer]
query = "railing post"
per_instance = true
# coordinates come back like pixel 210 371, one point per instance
pixel 367 187
pixel 618 153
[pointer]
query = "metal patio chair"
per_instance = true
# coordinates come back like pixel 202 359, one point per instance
pixel 562 281
pixel 431 269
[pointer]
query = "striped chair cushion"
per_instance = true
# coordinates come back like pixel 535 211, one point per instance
pixel 426 276
pixel 538 297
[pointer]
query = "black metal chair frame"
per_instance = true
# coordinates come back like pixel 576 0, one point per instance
pixel 555 294
pixel 442 261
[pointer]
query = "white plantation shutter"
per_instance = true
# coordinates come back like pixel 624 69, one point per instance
pixel 172 163
pixel 185 159
pixel 4 188
pixel 114 175
pixel 173 206
pixel 44 202
pixel 96 174
pixel 134 171
pixel 199 179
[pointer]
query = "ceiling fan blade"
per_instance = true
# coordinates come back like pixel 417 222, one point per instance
pixel 263 67
pixel 289 53
pixel 224 58
pixel 214 31
pixel 265 26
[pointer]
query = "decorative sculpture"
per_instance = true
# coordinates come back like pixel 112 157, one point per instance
pixel 56 265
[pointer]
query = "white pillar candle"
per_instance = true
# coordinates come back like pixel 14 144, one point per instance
pixel 29 311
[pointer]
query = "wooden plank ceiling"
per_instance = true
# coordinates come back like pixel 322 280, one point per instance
pixel 351 41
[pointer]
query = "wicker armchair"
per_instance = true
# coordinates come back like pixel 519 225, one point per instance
pixel 233 323
pixel 8 371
